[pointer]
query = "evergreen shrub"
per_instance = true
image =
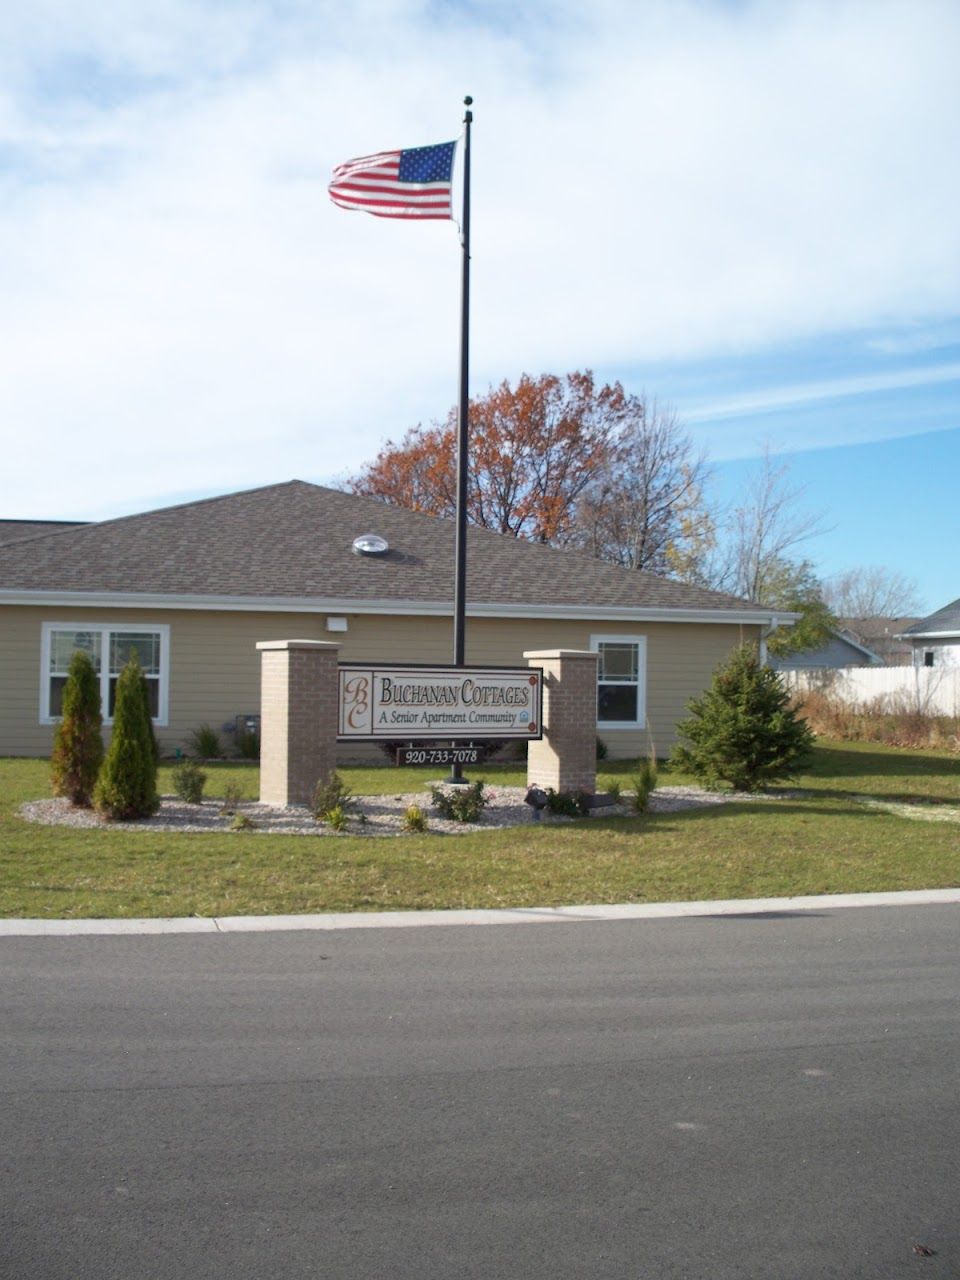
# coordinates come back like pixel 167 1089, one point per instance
pixel 78 744
pixel 743 730
pixel 188 781
pixel 127 785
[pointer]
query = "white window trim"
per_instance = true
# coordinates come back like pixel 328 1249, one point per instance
pixel 162 629
pixel 641 643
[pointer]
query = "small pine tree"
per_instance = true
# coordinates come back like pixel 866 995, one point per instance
pixel 743 730
pixel 78 744
pixel 127 786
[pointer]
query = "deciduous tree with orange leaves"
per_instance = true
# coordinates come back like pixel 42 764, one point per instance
pixel 534 449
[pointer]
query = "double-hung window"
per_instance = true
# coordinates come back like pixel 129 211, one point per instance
pixel 110 648
pixel 621 681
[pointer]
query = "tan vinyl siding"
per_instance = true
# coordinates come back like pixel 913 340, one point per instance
pixel 215 673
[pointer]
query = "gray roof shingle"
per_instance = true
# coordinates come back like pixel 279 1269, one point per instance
pixel 946 620
pixel 294 541
pixel 15 530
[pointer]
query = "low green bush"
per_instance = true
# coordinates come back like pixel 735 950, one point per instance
pixel 331 792
pixel 644 784
pixel 205 743
pixel 460 803
pixel 188 781
pixel 567 804
pixel 414 819
pixel 232 798
pixel 248 745
pixel 336 817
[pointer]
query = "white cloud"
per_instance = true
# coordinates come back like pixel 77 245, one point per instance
pixel 184 309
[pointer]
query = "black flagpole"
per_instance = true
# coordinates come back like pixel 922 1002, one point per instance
pixel 463 421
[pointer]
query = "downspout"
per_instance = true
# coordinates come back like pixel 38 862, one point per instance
pixel 768 630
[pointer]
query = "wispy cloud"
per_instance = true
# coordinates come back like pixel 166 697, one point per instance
pixel 784 398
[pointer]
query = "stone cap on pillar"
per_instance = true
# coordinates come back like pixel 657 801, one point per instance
pixel 560 653
pixel 297 644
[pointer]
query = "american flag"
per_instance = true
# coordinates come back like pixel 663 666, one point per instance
pixel 416 183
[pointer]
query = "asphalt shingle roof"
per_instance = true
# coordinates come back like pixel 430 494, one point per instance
pixel 14 530
pixel 945 619
pixel 294 540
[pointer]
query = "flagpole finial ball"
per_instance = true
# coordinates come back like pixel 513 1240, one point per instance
pixel 468 101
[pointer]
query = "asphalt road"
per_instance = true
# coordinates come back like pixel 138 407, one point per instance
pixel 771 1096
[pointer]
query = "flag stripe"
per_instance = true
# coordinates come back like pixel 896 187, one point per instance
pixel 397 184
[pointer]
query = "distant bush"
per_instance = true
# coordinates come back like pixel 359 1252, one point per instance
pixel 567 804
pixel 414 819
pixel 248 744
pixel 78 744
pixel 188 781
pixel 205 743
pixel 743 730
pixel 602 749
pixel 331 792
pixel 242 822
pixel 644 784
pixel 336 817
pixel 232 798
pixel 127 785
pixel 460 803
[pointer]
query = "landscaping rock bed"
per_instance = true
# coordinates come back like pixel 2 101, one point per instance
pixel 367 815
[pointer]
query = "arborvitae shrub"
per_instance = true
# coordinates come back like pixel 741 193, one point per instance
pixel 743 730
pixel 127 786
pixel 78 744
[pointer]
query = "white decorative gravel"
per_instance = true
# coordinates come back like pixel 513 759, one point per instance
pixel 367 815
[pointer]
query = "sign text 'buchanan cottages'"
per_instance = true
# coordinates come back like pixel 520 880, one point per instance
pixel 440 702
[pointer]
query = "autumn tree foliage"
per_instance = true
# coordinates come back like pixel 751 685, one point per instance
pixel 557 460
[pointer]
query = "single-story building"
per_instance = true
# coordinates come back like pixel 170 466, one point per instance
pixel 842 649
pixel 935 640
pixel 194 587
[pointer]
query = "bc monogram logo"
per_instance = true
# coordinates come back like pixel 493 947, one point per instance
pixel 356 700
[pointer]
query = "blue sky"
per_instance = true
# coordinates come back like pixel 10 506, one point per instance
pixel 747 211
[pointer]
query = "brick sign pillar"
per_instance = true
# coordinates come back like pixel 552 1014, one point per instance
pixel 566 757
pixel 298 718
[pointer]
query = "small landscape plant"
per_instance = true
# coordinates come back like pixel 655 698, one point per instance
pixel 205 743
pixel 232 798
pixel 414 819
pixel 242 822
pixel 644 784
pixel 743 730
pixel 614 791
pixel 330 793
pixel 336 817
pixel 567 804
pixel 78 745
pixel 602 749
pixel 248 745
pixel 461 803
pixel 127 785
pixel 188 781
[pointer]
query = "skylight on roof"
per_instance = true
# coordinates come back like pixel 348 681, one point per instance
pixel 371 544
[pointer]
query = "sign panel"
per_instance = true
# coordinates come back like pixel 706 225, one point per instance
pixel 426 703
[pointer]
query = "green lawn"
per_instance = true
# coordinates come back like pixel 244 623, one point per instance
pixel 819 840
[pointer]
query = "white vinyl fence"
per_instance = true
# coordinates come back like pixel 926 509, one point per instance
pixel 932 690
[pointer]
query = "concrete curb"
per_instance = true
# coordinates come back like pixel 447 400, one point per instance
pixel 512 915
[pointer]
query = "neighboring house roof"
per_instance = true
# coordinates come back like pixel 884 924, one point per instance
pixel 14 530
pixel 945 622
pixel 290 545
pixel 841 650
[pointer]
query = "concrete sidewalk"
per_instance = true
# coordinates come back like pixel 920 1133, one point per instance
pixel 510 915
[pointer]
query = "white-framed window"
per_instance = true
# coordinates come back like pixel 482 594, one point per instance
pixel 109 646
pixel 621 681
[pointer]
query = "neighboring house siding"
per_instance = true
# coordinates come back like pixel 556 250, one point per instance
pixel 215 672
pixel 836 653
pixel 946 652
